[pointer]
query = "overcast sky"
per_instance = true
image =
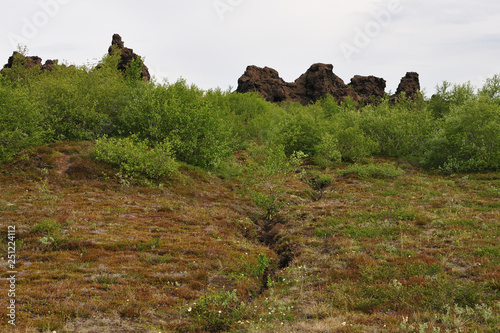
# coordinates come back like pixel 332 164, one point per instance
pixel 211 42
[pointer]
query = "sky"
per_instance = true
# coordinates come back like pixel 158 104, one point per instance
pixel 210 43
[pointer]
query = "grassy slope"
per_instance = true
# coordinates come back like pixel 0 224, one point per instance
pixel 97 253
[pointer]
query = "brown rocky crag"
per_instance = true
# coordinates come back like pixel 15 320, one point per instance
pixel 368 87
pixel 410 85
pixel 318 82
pixel 127 56
pixel 29 62
pixel 267 82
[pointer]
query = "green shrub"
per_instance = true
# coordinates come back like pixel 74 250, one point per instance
pixel 300 130
pixel 263 263
pixel 457 131
pixel 264 126
pixel 467 140
pixel 133 73
pixel 19 75
pixel 354 143
pixel 81 103
pixel 448 95
pixel 201 133
pixel 438 106
pixel 218 312
pixel 330 106
pixel 491 88
pixel 265 173
pixel 399 130
pixel 136 157
pixel 254 118
pixel 327 151
pixel 22 124
pixel 71 118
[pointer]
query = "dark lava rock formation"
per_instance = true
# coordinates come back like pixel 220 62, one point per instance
pixel 368 87
pixel 30 62
pixel 410 85
pixel 127 56
pixel 318 82
pixel 267 82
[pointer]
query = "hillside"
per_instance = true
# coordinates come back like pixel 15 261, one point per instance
pixel 379 246
pixel 133 206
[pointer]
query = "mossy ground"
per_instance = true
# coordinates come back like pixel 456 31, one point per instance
pixel 100 252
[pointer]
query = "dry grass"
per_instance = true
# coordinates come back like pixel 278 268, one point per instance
pixel 97 252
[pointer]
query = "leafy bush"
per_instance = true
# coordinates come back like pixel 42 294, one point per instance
pixel 71 118
pixel 491 88
pixel 19 75
pixel 448 95
pixel 345 126
pixel 136 157
pixel 300 130
pixel 398 130
pixel 200 131
pixel 78 103
pixel 327 151
pixel 265 126
pixel 265 172
pixel 330 106
pixel 438 106
pixel 218 312
pixel 21 123
pixel 354 143
pixel 468 139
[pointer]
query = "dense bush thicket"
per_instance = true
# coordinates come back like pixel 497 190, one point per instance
pixel 137 157
pixel 457 130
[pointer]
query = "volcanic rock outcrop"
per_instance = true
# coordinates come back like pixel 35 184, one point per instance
pixel 368 87
pixel 318 82
pixel 267 82
pixel 30 62
pixel 410 85
pixel 127 56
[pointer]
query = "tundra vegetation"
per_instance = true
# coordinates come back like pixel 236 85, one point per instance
pixel 148 207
